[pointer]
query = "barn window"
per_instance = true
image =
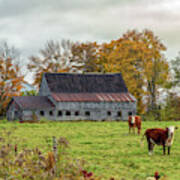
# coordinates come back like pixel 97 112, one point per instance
pixel 51 113
pixel 42 113
pixel 87 113
pixel 16 113
pixel 76 113
pixel 119 114
pixel 109 113
pixel 68 113
pixel 130 113
pixel 59 113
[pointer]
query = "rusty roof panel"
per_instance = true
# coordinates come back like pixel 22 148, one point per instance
pixel 93 97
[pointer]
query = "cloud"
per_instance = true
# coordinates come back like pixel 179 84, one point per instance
pixel 29 24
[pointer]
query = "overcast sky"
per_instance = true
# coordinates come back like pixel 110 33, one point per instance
pixel 28 24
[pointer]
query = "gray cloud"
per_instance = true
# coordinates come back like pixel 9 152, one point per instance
pixel 29 24
pixel 20 7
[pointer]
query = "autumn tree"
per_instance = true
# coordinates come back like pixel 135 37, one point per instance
pixel 171 108
pixel 175 63
pixel 10 77
pixel 7 51
pixel 55 57
pixel 120 56
pixel 156 68
pixel 29 93
pixel 86 54
pixel 139 57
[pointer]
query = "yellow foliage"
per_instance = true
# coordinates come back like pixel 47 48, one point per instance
pixel 138 56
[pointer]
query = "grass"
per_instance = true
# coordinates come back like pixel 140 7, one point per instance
pixel 107 147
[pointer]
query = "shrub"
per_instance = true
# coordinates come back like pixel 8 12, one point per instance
pixel 33 164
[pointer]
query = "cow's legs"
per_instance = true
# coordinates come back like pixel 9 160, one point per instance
pixel 169 148
pixel 133 129
pixel 129 129
pixel 150 147
pixel 139 130
pixel 164 149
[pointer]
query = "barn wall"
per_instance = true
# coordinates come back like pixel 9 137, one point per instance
pixel 28 114
pixel 98 111
pixel 13 112
pixel 44 89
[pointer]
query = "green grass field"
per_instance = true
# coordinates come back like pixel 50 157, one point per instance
pixel 107 147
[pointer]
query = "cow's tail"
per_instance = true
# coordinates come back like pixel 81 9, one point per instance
pixel 141 142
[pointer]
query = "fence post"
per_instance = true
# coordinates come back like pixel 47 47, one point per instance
pixel 55 152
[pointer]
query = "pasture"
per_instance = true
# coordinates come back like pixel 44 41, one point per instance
pixel 107 148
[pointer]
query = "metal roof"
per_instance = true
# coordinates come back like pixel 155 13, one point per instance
pixel 33 102
pixel 85 83
pixel 93 97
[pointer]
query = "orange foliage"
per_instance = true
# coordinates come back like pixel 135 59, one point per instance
pixel 10 82
pixel 50 160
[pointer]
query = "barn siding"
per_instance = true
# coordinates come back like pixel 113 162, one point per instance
pixel 11 115
pixel 98 111
pixel 44 89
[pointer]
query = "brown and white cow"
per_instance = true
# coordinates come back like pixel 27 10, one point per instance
pixel 134 121
pixel 160 136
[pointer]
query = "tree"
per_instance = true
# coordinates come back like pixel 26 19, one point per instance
pixel 138 56
pixel 30 93
pixel 86 54
pixel 55 57
pixel 11 77
pixel 175 63
pixel 7 51
pixel 171 109
pixel 10 82
pixel 155 68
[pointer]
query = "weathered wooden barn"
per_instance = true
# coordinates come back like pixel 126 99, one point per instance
pixel 70 96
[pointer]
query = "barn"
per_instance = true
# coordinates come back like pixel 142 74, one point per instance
pixel 72 96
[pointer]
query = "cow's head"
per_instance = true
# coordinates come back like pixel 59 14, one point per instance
pixel 170 131
pixel 133 119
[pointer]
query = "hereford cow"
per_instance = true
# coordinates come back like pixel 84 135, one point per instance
pixel 159 136
pixel 134 121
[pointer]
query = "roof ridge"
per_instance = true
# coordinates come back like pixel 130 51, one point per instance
pixel 87 73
